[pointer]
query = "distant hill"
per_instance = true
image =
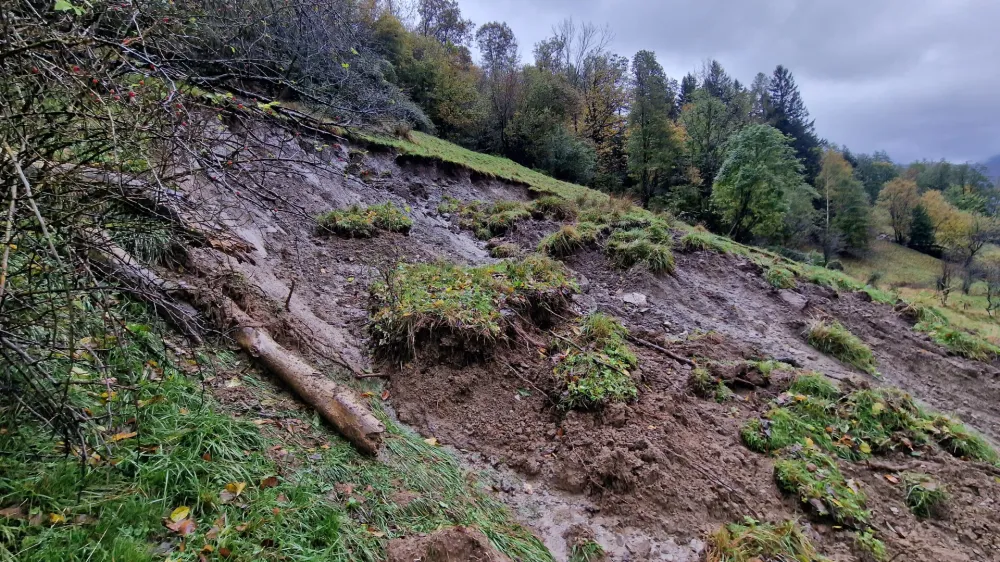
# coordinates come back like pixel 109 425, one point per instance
pixel 993 165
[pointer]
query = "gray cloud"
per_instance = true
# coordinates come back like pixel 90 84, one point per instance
pixel 918 78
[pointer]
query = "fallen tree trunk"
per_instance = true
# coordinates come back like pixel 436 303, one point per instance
pixel 339 405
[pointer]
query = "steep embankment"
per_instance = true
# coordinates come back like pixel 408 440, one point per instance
pixel 647 478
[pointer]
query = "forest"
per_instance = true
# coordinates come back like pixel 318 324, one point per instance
pixel 705 147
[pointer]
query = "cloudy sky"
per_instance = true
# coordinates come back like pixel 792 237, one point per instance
pixel 917 78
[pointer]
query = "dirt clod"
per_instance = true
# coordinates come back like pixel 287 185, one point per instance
pixel 457 544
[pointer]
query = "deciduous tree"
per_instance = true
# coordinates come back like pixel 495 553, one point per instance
pixel 654 142
pixel 898 199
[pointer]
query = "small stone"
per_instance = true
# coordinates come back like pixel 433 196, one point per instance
pixel 638 299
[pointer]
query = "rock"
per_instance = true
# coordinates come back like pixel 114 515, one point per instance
pixel 638 299
pixel 795 300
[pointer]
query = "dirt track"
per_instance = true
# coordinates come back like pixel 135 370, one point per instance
pixel 649 478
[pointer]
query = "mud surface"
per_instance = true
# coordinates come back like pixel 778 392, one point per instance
pixel 647 480
pixel 458 544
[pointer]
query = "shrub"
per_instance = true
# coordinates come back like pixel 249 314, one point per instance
pixel 752 541
pixel 627 248
pixel 594 367
pixel 835 265
pixel 364 222
pixel 562 242
pixel 814 478
pixel 780 278
pixel 834 339
pixel 924 496
pixel 554 207
pixel 418 302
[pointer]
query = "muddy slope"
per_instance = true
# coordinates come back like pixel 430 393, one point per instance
pixel 649 479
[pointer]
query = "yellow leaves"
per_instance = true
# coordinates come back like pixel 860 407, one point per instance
pixel 878 408
pixel 865 448
pixel 56 518
pixel 892 478
pixel 122 436
pixel 432 441
pixel 809 442
pixel 180 513
pixel 232 491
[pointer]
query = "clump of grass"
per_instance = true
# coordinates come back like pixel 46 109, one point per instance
pixel 958 341
pixel 870 546
pixel 753 541
pixel 858 424
pixel 628 248
pixel 449 205
pixel 555 207
pixel 834 339
pixel 487 220
pixel 594 366
pixel 814 478
pixel 924 496
pixel 505 250
pixel 420 302
pixel 562 242
pixel 701 240
pixel 364 222
pixel 587 551
pixel 780 278
pixel 707 386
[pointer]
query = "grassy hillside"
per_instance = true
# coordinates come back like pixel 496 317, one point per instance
pixel 427 146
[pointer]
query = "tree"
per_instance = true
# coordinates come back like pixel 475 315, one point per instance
pixel 898 199
pixel 442 20
pixel 874 171
pixel 787 113
pixel 845 205
pixel 922 231
pixel 759 97
pixel 501 81
pixel 605 97
pixel 752 186
pixel 716 81
pixel 688 86
pixel 654 143
pixel 709 125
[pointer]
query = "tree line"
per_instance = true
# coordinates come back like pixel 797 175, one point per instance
pixel 742 159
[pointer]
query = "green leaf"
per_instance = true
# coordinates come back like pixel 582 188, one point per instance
pixel 354 51
pixel 63 6
pixel 345 65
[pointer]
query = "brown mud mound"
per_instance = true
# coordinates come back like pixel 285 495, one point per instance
pixel 458 544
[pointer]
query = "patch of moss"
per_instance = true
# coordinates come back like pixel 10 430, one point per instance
pixel 594 364
pixel 364 222
pixel 924 496
pixel 628 248
pixel 834 339
pixel 813 476
pixel 418 302
pixel 753 541
pixel 780 278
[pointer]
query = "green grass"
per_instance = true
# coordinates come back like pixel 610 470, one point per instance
pixel 587 551
pixel 959 341
pixel 563 242
pixel 753 541
pixel 639 246
pixel 329 502
pixel 364 222
pixel 505 250
pixel 420 302
pixel 871 547
pixel 835 340
pixel 555 207
pixel 594 366
pixel 858 424
pixel 701 240
pixel 813 477
pixel 426 146
pixel 780 278
pixel 924 496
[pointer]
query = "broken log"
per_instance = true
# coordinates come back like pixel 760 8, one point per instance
pixel 338 405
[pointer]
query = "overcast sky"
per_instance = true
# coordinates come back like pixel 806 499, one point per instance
pixel 917 78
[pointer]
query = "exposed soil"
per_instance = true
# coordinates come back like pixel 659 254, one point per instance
pixel 647 479
pixel 458 544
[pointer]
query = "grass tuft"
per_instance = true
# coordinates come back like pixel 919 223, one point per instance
pixel 418 303
pixel 834 339
pixel 555 207
pixel 700 240
pixel 752 541
pixel 780 278
pixel 505 250
pixel 587 551
pixel 959 341
pixel 563 242
pixel 628 248
pixel 814 478
pixel 872 549
pixel 365 222
pixel 594 366
pixel 924 496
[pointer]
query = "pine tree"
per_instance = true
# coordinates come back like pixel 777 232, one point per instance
pixel 921 230
pixel 688 86
pixel 787 112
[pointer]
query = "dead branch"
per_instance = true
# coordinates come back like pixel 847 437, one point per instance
pixel 662 350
